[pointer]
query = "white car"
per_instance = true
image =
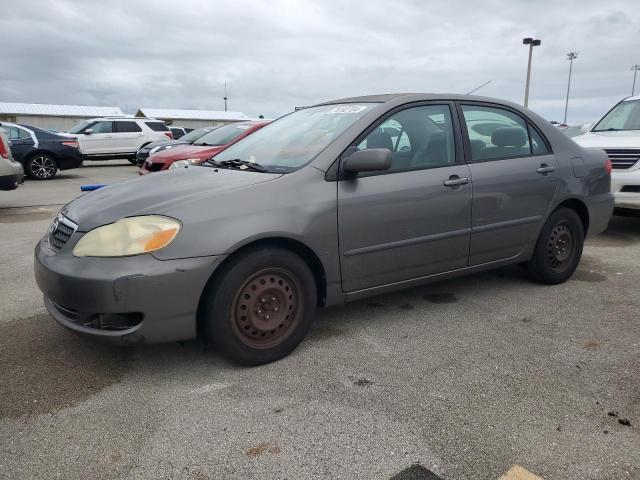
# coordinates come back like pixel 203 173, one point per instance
pixel 11 172
pixel 118 137
pixel 618 134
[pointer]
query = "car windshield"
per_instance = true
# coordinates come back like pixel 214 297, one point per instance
pixel 624 116
pixel 294 140
pixel 223 135
pixel 79 127
pixel 194 135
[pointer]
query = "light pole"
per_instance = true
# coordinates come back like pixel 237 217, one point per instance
pixel 571 56
pixel 635 69
pixel 225 97
pixel 532 43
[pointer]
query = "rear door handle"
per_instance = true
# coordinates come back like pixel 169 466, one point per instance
pixel 455 180
pixel 544 169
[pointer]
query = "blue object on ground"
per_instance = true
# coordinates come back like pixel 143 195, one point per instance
pixel 91 188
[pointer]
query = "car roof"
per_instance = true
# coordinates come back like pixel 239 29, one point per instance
pixel 388 97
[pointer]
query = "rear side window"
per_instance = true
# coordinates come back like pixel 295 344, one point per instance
pixel 127 127
pixel 538 145
pixel 495 133
pixel 157 126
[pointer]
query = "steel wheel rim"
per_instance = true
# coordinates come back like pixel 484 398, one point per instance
pixel 267 308
pixel 560 246
pixel 42 166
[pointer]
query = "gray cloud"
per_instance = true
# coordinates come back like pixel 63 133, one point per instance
pixel 277 54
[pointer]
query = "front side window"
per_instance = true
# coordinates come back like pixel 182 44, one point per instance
pixel 624 116
pixel 418 137
pixel 102 127
pixel 495 133
pixel 127 127
pixel 80 127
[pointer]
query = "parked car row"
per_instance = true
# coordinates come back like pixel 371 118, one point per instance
pixel 200 149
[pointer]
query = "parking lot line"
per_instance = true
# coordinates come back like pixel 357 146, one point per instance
pixel 518 473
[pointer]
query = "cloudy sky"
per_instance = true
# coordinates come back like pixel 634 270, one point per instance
pixel 278 54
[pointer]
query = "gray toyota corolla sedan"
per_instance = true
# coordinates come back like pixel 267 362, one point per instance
pixel 329 204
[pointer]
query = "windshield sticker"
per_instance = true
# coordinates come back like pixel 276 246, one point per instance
pixel 348 109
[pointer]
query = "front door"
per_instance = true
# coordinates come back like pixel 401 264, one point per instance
pixel 99 141
pixel 412 220
pixel 514 181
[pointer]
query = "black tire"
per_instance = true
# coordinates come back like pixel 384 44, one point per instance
pixel 132 161
pixel 558 249
pixel 41 167
pixel 260 306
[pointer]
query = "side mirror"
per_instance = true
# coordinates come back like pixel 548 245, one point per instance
pixel 88 131
pixel 371 160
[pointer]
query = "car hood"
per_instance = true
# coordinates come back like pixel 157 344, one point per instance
pixel 624 139
pixel 164 193
pixel 181 152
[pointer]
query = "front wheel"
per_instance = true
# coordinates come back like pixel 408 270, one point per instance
pixel 41 167
pixel 260 307
pixel 133 161
pixel 558 249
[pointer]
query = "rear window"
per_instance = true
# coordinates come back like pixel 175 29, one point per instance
pixel 157 126
pixel 127 127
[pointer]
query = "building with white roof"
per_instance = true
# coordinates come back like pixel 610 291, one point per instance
pixel 192 118
pixel 58 117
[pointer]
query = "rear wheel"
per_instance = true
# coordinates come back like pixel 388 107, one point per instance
pixel 41 167
pixel 260 307
pixel 558 249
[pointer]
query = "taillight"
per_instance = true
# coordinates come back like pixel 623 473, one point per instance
pixel 607 166
pixel 3 149
pixel 169 134
pixel 71 143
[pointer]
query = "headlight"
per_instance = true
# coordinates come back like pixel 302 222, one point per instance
pixel 129 236
pixel 184 163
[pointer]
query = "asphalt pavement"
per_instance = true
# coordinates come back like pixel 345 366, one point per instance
pixel 468 378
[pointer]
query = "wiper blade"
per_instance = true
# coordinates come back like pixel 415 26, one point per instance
pixel 243 164
pixel 212 161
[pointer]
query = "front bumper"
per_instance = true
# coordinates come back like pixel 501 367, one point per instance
pixel 625 186
pixel 161 296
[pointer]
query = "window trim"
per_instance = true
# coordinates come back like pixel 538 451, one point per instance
pixel 527 121
pixel 334 173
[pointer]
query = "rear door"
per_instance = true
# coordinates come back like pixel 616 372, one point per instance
pixel 127 136
pixel 514 177
pixel 413 220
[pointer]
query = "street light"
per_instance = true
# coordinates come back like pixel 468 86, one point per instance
pixel 635 69
pixel 532 43
pixel 571 56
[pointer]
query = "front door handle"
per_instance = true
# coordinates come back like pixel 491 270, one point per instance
pixel 108 136
pixel 455 181
pixel 544 169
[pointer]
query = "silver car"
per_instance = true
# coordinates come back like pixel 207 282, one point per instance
pixel 330 204
pixel 11 172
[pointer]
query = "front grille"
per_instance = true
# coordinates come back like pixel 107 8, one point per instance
pixel 141 156
pixel 622 159
pixel 61 230
pixel 67 312
pixel 154 167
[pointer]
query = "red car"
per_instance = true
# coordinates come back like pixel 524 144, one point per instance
pixel 202 149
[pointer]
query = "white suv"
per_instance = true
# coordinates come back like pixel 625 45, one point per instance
pixel 618 134
pixel 118 137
